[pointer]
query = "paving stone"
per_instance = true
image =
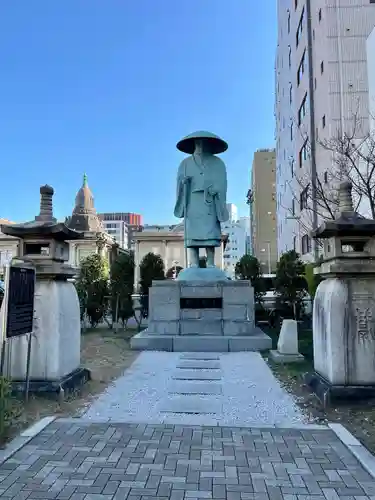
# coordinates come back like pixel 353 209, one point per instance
pixel 196 375
pixel 200 355
pixel 191 404
pixel 195 387
pixel 82 461
pixel 205 364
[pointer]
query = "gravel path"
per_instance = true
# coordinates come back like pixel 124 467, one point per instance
pixel 196 388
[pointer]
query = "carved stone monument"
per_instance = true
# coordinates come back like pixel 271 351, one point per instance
pixel 55 353
pixel 201 310
pixel 344 306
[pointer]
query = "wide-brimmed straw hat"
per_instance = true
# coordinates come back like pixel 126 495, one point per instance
pixel 216 145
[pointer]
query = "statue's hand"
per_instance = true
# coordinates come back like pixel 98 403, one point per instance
pixel 212 191
pixel 185 180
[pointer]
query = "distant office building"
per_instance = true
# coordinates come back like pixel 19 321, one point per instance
pixel 263 223
pixel 245 223
pixel 235 248
pixel 122 226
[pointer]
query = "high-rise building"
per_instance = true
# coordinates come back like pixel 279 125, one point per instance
pixel 321 84
pixel 263 209
pixel 122 226
pixel 237 230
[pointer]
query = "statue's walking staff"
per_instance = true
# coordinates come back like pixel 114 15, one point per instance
pixel 185 217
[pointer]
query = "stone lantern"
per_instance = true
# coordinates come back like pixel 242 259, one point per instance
pixel 344 306
pixel 55 354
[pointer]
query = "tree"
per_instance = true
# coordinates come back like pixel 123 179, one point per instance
pixel 248 268
pixel 151 268
pixel 352 154
pixel 173 272
pixel 121 286
pixel 290 284
pixel 92 288
pixel 312 279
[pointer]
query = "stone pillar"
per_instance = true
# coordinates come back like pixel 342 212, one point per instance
pixel 136 267
pixel 166 254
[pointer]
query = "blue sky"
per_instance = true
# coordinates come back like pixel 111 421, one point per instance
pixel 108 87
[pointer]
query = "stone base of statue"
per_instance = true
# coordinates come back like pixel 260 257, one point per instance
pixel 344 340
pixel 205 315
pixel 56 342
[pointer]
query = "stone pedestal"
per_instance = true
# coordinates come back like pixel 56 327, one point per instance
pixel 344 339
pixel 201 316
pixel 56 343
pixel 55 347
pixel 287 346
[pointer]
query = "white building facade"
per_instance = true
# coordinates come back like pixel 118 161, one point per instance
pixel 238 231
pixel 321 84
pixel 118 229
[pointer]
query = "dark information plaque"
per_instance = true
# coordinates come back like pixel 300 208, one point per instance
pixel 201 303
pixel 20 311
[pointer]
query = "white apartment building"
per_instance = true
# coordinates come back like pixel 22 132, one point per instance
pixel 321 82
pixel 118 229
pixel 238 233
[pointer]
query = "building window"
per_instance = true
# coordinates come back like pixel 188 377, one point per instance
pixel 293 207
pixel 326 173
pixel 294 243
pixel 290 56
pixel 300 27
pixel 292 167
pixel 322 67
pixel 304 198
pixel 296 3
pixel 290 93
pixel 320 14
pixel 301 68
pixel 303 155
pixel 288 21
pixel 306 244
pixel 315 83
pixel 324 121
pixel 302 110
pixel 291 131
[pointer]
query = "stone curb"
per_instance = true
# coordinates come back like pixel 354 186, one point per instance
pixel 25 436
pixel 238 425
pixel 364 457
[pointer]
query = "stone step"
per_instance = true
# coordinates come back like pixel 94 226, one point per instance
pixel 148 341
pixel 195 387
pixel 205 364
pixel 192 404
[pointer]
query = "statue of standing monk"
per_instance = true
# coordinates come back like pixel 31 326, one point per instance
pixel 201 194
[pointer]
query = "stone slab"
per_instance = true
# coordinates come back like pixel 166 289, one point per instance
pixel 278 357
pixel 145 341
pixel 194 387
pixel 191 404
pixel 202 314
pixel 238 327
pixel 148 341
pixel 164 327
pixel 200 327
pixel 205 364
pixel 197 375
pixel 200 355
pixel 200 343
pixel 260 342
pixel 200 290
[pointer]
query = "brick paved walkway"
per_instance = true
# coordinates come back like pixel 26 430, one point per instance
pixel 92 461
